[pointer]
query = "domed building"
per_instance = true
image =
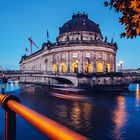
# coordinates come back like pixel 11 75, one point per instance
pixel 79 48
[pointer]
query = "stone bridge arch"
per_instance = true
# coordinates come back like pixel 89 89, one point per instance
pixel 68 79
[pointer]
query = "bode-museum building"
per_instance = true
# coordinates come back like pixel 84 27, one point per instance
pixel 79 48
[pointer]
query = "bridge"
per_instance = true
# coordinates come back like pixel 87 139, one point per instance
pixel 73 79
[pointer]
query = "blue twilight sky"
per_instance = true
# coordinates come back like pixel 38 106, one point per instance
pixel 20 19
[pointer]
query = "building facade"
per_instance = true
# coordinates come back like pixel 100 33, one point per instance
pixel 79 48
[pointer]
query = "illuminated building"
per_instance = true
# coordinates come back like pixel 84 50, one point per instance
pixel 79 48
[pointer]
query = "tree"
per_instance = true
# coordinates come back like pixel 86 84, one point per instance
pixel 130 18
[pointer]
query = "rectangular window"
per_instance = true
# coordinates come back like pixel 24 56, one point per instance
pixel 99 55
pixel 74 55
pixel 87 55
pixel 108 56
pixel 54 56
pixel 63 56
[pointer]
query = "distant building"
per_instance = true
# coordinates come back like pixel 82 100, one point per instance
pixel 130 70
pixel 79 48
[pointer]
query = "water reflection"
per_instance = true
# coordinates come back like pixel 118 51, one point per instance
pixel 99 117
pixel 62 113
pixel 87 115
pixel 81 115
pixel 137 92
pixel 10 87
pixel 137 96
pixel 119 118
pixel 76 115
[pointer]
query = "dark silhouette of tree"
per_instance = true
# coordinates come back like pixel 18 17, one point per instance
pixel 130 10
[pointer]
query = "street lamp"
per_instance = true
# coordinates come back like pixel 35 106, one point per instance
pixel 120 65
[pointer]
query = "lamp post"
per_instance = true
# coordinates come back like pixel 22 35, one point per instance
pixel 120 65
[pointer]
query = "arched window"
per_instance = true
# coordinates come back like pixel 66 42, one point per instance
pixel 63 68
pixel 75 68
pixel 99 67
pixel 88 68
pixel 54 68
pixel 108 67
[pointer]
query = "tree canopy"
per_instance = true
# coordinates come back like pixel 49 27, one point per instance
pixel 130 18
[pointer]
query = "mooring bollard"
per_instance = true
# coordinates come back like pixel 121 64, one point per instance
pixel 2 87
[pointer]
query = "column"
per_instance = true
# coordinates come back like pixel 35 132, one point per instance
pixel 68 62
pixel 81 61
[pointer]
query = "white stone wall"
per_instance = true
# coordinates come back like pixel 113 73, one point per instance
pixel 97 53
pixel 44 59
pixel 80 35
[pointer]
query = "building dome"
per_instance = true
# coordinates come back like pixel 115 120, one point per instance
pixel 79 22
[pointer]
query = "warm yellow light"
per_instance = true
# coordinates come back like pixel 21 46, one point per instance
pixel 63 67
pixel 54 68
pixel 99 67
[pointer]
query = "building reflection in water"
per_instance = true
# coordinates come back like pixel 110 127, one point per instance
pixel 81 115
pixel 78 115
pixel 87 115
pixel 62 113
pixel 10 86
pixel 119 118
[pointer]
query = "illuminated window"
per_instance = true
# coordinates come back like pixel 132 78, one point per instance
pixel 74 68
pixel 54 68
pixel 108 67
pixel 88 68
pixel 99 67
pixel 74 55
pixel 63 68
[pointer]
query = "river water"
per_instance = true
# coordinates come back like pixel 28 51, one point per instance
pixel 98 116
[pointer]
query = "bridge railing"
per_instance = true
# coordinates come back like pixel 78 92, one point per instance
pixel 50 128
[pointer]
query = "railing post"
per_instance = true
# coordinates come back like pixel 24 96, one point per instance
pixel 10 118
pixel 10 125
pixel 2 88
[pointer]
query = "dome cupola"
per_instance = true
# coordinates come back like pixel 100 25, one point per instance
pixel 79 22
pixel 80 27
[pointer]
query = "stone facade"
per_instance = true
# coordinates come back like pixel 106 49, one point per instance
pixel 78 49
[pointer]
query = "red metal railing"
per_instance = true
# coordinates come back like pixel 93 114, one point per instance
pixel 50 128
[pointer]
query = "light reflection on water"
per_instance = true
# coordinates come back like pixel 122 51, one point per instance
pixel 137 96
pixel 76 115
pixel 99 116
pixel 9 87
pixel 119 118
pixel 137 92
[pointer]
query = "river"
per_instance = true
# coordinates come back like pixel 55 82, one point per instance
pixel 98 116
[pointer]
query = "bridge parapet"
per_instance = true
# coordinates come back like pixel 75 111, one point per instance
pixel 76 78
